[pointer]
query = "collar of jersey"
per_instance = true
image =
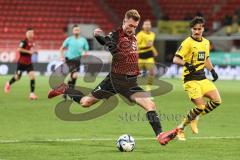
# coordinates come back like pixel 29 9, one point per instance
pixel 196 39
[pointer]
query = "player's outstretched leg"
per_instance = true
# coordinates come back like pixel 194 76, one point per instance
pixel 12 80
pixel 144 100
pixel 71 82
pixel 7 87
pixel 76 95
pixel 164 137
pixel 213 103
pixel 191 118
pixel 59 90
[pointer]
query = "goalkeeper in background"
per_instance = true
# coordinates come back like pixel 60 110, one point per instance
pixel 193 55
pixel 147 51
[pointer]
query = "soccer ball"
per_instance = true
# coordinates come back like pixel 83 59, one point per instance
pixel 126 143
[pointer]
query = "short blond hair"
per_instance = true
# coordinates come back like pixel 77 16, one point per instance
pixel 133 13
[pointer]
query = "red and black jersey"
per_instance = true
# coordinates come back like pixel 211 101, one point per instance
pixel 25 58
pixel 124 51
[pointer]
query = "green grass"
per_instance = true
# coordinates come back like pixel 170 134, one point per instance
pixel 32 123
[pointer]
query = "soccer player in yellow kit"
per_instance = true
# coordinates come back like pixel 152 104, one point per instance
pixel 146 50
pixel 193 55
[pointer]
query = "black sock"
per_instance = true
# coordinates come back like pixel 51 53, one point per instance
pixel 32 85
pixel 12 80
pixel 193 113
pixel 72 82
pixel 210 106
pixel 76 95
pixel 153 119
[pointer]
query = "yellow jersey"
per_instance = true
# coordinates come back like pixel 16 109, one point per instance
pixel 196 53
pixel 143 38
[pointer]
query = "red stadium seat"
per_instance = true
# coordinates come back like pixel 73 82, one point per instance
pixel 48 17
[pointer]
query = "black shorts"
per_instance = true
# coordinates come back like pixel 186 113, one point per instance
pixel 24 67
pixel 115 83
pixel 146 55
pixel 73 64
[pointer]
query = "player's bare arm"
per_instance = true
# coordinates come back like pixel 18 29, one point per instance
pixel 155 52
pixel 179 61
pixel 209 66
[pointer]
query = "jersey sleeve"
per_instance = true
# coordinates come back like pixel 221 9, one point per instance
pixel 111 41
pixel 22 44
pixel 86 46
pixel 153 47
pixel 103 40
pixel 183 49
pixel 100 40
pixel 66 42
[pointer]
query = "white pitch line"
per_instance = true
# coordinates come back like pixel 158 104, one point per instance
pixel 213 137
pixel 104 139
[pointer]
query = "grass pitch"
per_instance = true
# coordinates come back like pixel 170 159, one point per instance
pixel 30 130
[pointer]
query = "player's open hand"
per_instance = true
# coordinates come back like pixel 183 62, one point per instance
pixel 97 32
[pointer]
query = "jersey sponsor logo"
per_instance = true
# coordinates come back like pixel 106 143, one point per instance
pixel 201 56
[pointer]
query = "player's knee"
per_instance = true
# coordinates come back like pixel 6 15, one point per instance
pixel 31 75
pixel 74 75
pixel 150 106
pixel 217 102
pixel 86 102
pixel 201 106
pixel 17 77
pixel 151 73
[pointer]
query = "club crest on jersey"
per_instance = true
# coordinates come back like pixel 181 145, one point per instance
pixel 201 56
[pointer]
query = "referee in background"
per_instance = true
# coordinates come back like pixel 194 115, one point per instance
pixel 71 51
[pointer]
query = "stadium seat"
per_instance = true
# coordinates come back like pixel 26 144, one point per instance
pixel 48 18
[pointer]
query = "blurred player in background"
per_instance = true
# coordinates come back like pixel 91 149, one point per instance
pixel 71 51
pixel 193 55
pixel 146 50
pixel 25 63
pixel 122 79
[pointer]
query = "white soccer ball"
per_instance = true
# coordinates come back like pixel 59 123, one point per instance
pixel 126 143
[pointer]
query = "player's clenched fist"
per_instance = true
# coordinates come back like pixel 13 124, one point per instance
pixel 97 32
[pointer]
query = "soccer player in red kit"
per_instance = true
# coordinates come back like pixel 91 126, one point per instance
pixel 25 63
pixel 122 78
